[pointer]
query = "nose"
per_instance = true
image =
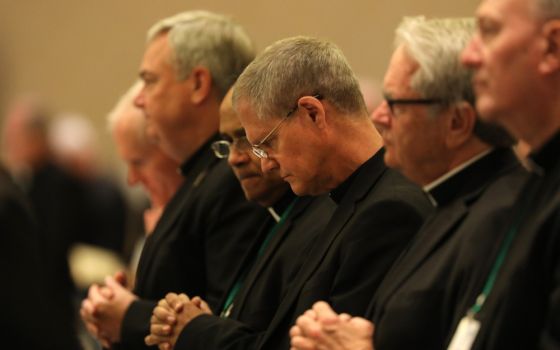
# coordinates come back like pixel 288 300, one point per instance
pixel 268 165
pixel 238 157
pixel 133 177
pixel 471 57
pixel 139 100
pixel 381 116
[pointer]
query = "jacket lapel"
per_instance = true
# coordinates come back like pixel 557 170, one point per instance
pixel 430 237
pixel 270 251
pixel 363 184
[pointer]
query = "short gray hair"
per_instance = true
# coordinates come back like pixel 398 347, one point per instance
pixel 436 45
pixel 135 118
pixel 207 39
pixel 295 67
pixel 548 8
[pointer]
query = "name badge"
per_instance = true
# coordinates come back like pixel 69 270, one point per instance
pixel 465 334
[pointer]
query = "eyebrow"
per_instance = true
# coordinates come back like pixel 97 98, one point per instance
pixel 387 95
pixel 239 132
pixel 145 74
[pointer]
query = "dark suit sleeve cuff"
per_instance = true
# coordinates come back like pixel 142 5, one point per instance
pixel 136 324
pixel 213 332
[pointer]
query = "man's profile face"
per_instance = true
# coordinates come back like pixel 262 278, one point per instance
pixel 146 163
pixel 503 54
pixel 412 134
pixel 163 98
pixel 265 189
pixel 293 150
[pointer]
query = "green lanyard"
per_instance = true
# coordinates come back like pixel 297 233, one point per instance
pixel 228 306
pixel 502 254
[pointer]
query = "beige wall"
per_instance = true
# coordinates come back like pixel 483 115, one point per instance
pixel 81 55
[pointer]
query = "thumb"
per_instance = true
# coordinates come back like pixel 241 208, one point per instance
pixel 112 283
pixel 120 277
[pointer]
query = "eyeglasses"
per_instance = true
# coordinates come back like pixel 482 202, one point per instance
pixel 391 102
pixel 258 148
pixel 222 148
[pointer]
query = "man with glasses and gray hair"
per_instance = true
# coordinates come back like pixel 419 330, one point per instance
pixel 433 136
pixel 266 273
pixel 190 61
pixel 304 115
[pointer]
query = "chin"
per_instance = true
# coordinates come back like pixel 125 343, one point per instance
pixel 486 109
pixel 389 159
pixel 299 189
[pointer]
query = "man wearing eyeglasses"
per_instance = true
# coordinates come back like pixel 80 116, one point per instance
pixel 303 112
pixel 268 267
pixel 434 137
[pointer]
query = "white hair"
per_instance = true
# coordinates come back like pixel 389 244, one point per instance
pixel 126 112
pixel 435 45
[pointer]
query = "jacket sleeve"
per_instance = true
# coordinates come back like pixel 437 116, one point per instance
pixel 136 325
pixel 207 332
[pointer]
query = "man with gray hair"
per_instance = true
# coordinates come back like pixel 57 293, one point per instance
pixel 190 61
pixel 303 112
pixel 515 55
pixel 467 168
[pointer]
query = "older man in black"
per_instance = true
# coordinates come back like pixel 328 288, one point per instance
pixel 269 266
pixel 434 137
pixel 517 80
pixel 208 225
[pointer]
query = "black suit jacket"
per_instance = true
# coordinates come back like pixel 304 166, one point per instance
pixel 267 281
pixel 197 244
pixel 427 291
pixel 30 316
pixel 378 212
pixel 523 309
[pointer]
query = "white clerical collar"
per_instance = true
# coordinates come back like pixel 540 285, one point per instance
pixel 450 174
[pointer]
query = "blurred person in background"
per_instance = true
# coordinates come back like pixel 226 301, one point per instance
pixel 148 167
pixel 56 199
pixel 76 148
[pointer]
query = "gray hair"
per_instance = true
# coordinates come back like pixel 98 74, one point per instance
pixel 295 67
pixel 126 111
pixel 207 39
pixel 436 45
pixel 548 8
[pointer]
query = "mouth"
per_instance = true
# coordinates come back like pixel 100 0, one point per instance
pixel 478 83
pixel 247 176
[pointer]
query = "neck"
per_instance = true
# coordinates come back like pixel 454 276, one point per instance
pixel 540 120
pixel 355 141
pixel 196 134
pixel 456 159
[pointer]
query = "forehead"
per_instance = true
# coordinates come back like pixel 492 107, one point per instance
pixel 506 9
pixel 229 122
pixel 255 127
pixel 399 73
pixel 157 51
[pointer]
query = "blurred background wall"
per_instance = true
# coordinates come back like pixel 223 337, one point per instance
pixel 82 55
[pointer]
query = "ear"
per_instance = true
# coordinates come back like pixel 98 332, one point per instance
pixel 460 125
pixel 201 84
pixel 314 111
pixel 551 59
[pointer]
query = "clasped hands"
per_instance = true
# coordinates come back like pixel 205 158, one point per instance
pixel 320 328
pixel 170 316
pixel 104 308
